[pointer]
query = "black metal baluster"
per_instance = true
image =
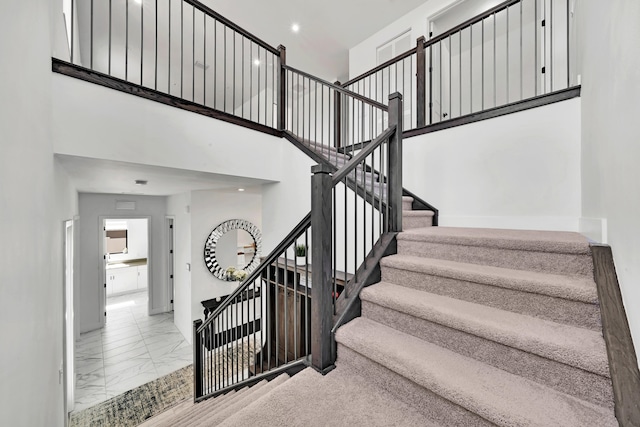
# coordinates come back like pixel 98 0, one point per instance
pixel 181 49
pixel 90 37
pixel 460 72
pixel 267 323
pixel 521 74
pixel 507 61
pixel 73 33
pixel 169 51
pixel 234 73
pixel 277 323
pixel 450 80
pixel 110 17
pixel 568 47
pixel 258 64
pixel 141 43
pixel 551 59
pixel 224 67
pixel 155 72
pixel 126 41
pixel 306 292
pixel 204 59
pixel 535 46
pixel 494 63
pixel 286 304
pixel 333 250
pixel 482 73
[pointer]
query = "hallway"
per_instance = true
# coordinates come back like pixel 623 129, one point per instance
pixel 131 350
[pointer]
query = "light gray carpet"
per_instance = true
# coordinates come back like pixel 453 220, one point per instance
pixel 469 327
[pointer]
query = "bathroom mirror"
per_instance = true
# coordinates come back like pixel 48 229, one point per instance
pixel 234 243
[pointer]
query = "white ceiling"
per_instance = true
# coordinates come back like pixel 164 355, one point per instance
pixel 328 29
pixel 106 176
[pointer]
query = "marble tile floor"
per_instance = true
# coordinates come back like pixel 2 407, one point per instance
pixel 132 349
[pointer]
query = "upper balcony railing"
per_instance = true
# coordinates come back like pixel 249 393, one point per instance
pixel 179 48
pixel 515 51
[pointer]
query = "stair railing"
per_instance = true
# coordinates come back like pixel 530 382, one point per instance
pixel 247 339
pixel 326 116
pixel 514 51
pixel 179 48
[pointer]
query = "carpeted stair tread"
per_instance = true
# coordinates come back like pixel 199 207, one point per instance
pixel 525 240
pixel 336 399
pixel 418 214
pixel 575 288
pixel 497 396
pixel 581 348
pixel 182 418
pixel 213 418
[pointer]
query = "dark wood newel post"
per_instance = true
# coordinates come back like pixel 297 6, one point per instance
pixel 197 360
pixel 337 116
pixel 282 86
pixel 395 162
pixel 321 300
pixel 421 83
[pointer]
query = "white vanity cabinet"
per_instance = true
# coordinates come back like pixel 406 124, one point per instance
pixel 143 277
pixel 123 279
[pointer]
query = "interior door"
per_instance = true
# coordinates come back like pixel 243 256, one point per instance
pixel 170 261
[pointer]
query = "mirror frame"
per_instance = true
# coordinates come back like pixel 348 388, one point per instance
pixel 210 245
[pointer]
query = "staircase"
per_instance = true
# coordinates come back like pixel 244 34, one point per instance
pixel 483 327
pixel 467 327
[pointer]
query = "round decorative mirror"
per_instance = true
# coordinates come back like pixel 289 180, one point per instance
pixel 234 243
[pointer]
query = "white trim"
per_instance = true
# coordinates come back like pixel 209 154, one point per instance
pixel 552 223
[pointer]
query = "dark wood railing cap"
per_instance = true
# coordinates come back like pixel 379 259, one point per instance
pixel 395 95
pixel 321 168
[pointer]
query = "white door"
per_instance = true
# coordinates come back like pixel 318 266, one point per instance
pixel 170 260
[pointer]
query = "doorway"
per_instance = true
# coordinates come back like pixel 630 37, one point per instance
pixel 68 368
pixel 125 243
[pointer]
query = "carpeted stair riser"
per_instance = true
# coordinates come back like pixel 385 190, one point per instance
pixel 559 376
pixel 407 203
pixel 570 264
pixel 560 310
pixel 493 394
pixel 416 219
pixel 210 405
pixel 217 417
pixel 432 406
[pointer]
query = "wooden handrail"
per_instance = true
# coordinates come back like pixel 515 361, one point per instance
pixel 208 11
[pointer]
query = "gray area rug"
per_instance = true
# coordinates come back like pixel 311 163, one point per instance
pixel 135 406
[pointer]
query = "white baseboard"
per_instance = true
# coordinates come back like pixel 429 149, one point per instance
pixel 594 228
pixel 160 310
pixel 90 327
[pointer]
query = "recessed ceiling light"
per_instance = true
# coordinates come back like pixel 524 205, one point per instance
pixel 141 182
pixel 256 62
pixel 240 189
pixel 138 1
pixel 295 28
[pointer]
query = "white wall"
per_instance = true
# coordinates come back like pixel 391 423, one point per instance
pixel 288 201
pixel 610 135
pixel 121 127
pixel 35 199
pixel 208 210
pixel 516 171
pixel 90 286
pixel 178 206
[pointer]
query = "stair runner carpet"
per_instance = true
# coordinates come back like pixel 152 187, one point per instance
pixel 468 327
